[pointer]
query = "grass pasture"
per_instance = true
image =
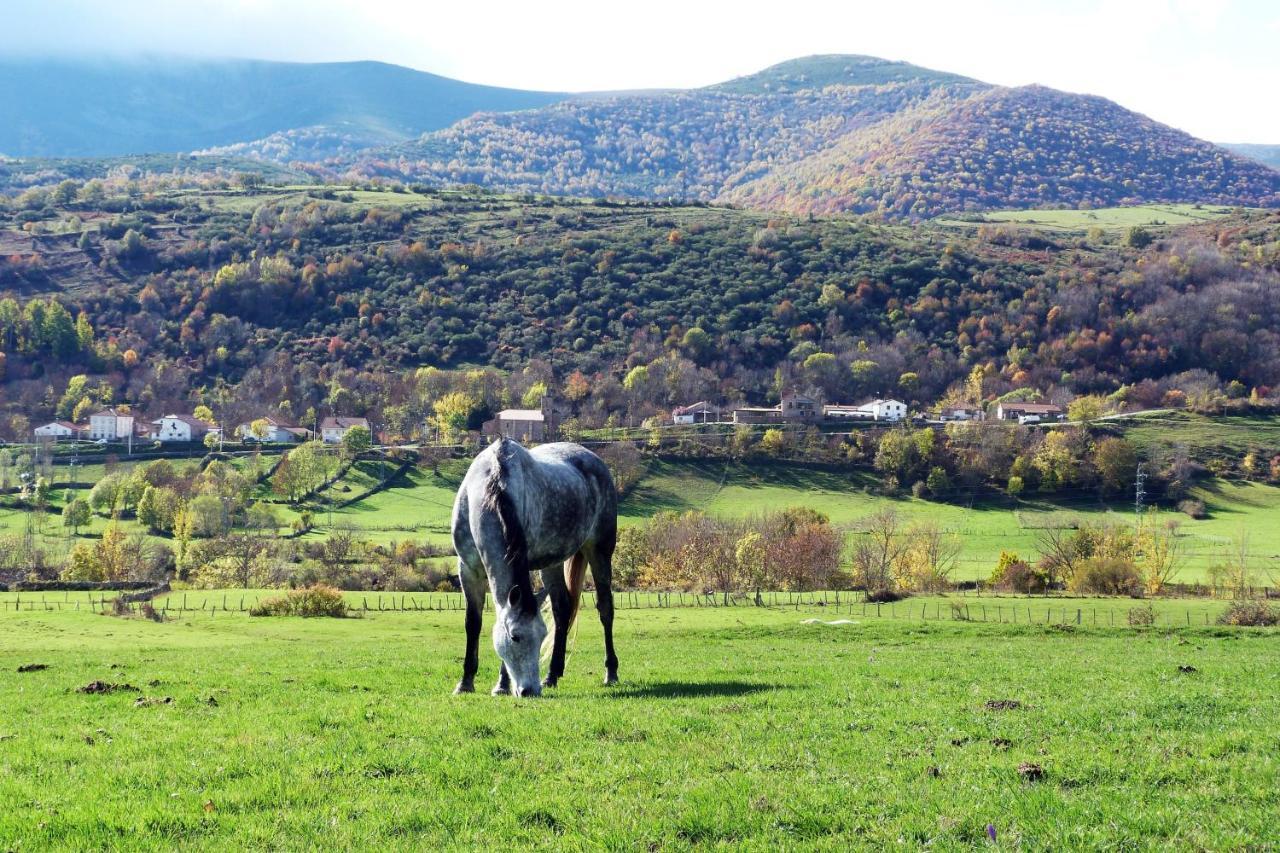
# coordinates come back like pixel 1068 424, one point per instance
pixel 1107 218
pixel 418 504
pixel 739 727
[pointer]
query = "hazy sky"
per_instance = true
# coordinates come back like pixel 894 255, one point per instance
pixel 1211 67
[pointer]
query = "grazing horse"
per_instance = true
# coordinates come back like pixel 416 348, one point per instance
pixel 552 509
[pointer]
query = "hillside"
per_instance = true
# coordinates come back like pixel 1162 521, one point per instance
pixel 1268 155
pixel 833 134
pixel 818 72
pixel 819 134
pixel 321 294
pixel 690 145
pixel 1023 147
pixel 97 108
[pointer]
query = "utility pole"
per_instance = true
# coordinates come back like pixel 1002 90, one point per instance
pixel 1139 493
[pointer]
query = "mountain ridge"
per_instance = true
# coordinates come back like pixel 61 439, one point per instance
pixel 106 107
pixel 827 133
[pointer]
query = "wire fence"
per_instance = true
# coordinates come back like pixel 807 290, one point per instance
pixel 834 604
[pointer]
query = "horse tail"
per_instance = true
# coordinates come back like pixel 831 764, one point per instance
pixel 575 572
pixel 499 501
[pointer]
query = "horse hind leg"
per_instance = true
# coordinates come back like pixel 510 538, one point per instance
pixel 601 561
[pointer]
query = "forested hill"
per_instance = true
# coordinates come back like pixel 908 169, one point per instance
pixel 335 297
pixel 829 134
pixel 1025 147
pixel 834 134
pixel 104 107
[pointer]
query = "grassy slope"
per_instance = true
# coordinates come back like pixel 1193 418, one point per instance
pixel 1107 218
pixel 774 733
pixel 418 507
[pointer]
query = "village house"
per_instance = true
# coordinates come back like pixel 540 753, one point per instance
pixel 961 413
pixel 798 407
pixel 276 432
pixel 112 425
pixel 59 430
pixel 794 407
pixel 1028 412
pixel 698 413
pixel 181 428
pixel 875 410
pixel 333 429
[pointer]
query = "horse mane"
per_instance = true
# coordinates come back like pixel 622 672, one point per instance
pixel 498 500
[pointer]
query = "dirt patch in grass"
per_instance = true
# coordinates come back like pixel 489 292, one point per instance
pixel 107 687
pixel 32 667
pixel 1002 705
pixel 1030 771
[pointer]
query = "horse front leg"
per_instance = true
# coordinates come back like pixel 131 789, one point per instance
pixel 503 687
pixel 562 612
pixel 474 587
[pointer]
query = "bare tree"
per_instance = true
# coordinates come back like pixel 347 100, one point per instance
pixel 931 555
pixel 878 551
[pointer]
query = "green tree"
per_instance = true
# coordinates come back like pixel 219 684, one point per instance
pixel 1087 409
pixel 532 398
pixel 158 508
pixel 1117 464
pixel 773 442
pixel 356 440
pixel 76 514
pixel 452 412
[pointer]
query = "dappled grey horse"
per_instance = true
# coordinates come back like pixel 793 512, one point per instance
pixel 553 510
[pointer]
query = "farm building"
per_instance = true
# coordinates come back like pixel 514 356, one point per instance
pixel 111 424
pixel 1014 411
pixel 698 413
pixel 519 425
pixel 181 428
pixel 58 430
pixel 794 407
pixel 276 432
pixel 333 429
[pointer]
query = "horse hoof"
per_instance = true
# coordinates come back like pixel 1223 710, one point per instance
pixel 463 687
pixel 549 682
pixel 499 690
pixel 611 679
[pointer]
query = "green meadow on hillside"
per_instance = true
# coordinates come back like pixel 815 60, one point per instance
pixel 740 727
pixel 418 504
pixel 1107 218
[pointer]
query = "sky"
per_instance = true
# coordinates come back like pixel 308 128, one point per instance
pixel 1210 67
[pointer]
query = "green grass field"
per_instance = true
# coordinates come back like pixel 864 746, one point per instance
pixel 418 505
pixel 985 529
pixel 737 727
pixel 1107 218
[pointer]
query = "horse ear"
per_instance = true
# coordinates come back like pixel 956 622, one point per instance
pixel 513 597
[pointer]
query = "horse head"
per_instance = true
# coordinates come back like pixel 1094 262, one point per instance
pixel 517 638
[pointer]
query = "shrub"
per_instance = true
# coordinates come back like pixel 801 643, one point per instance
pixel 1257 614
pixel 1020 576
pixel 1193 508
pixel 884 596
pixel 317 600
pixel 1141 616
pixel 1107 576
